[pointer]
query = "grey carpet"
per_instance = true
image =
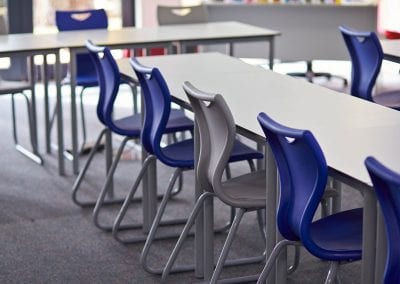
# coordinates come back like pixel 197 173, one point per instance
pixel 45 238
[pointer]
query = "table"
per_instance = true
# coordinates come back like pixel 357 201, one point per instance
pixel 311 33
pixel 164 36
pixel 30 45
pixel 391 49
pixel 348 129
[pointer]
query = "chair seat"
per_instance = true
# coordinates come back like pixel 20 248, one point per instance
pixel 131 125
pixel 10 87
pixel 86 81
pixel 181 154
pixel 342 241
pixel 390 99
pixel 247 191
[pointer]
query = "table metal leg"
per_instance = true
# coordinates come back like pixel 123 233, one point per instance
pixel 33 105
pixel 45 76
pixel 369 237
pixel 271 203
pixel 199 225
pixel 60 131
pixel 271 52
pixel 74 130
pixel 381 248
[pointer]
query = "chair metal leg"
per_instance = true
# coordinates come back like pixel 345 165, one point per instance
pixel 117 227
pixel 107 188
pixel 84 137
pixel 33 155
pixel 185 232
pixel 78 181
pixel 261 224
pixel 227 245
pixel 156 223
pixel 332 273
pixel 272 258
pixel 296 260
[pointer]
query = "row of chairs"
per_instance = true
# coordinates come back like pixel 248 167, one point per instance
pixel 285 142
pixel 301 188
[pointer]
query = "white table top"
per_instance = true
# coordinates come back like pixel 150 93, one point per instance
pixel 125 36
pixel 391 49
pixel 348 129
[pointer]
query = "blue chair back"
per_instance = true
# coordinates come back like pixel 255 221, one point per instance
pixel 157 108
pixel 387 188
pixel 366 58
pixel 82 20
pixel 108 77
pixel 303 174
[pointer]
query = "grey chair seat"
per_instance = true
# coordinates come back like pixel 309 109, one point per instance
pixel 10 87
pixel 247 191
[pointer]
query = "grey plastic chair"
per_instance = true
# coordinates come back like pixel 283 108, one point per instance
pixel 14 88
pixel 180 15
pixel 173 15
pixel 246 193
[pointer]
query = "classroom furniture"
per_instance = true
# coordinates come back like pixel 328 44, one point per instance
pixel 366 57
pixel 30 45
pixel 310 34
pixel 163 36
pixel 303 174
pixel 391 50
pixel 179 155
pixel 86 76
pixel 174 15
pixel 180 15
pixel 387 188
pixel 370 129
pixel 130 127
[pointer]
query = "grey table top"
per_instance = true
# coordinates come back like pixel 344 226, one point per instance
pixel 348 129
pixel 391 49
pixel 125 36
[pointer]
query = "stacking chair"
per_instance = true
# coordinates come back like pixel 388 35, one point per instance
pixel 366 58
pixel 85 71
pixel 180 155
pixel 128 127
pixel 310 74
pixel 246 193
pixel 303 175
pixel 180 15
pixel 387 189
pixel 19 87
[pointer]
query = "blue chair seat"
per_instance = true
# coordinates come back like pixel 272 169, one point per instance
pixel 181 154
pixel 255 187
pixel 342 241
pixel 131 125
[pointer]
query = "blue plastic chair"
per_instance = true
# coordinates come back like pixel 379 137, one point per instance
pixel 130 127
pixel 303 175
pixel 85 71
pixel 366 58
pixel 180 155
pixel 387 189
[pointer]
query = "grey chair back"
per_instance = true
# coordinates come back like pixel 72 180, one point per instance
pixel 174 15
pixel 217 136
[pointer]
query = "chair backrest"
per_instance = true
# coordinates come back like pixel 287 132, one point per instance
pixel 387 189
pixel 217 132
pixel 174 15
pixel 108 77
pixel 303 174
pixel 366 58
pixel 157 108
pixel 82 20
